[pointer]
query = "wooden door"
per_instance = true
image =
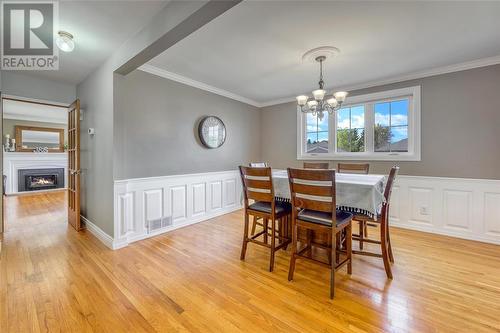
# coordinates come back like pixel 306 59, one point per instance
pixel 74 165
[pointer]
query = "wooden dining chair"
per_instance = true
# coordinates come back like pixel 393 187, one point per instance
pixel 258 164
pixel 314 210
pixel 317 165
pixel 257 221
pixel 258 186
pixel 383 220
pixel 353 168
pixel 357 168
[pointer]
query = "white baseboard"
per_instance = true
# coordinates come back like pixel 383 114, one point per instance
pixel 98 233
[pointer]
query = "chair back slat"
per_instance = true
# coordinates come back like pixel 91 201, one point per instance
pixel 309 191
pixel 353 168
pixel 303 203
pixel 257 184
pixel 312 175
pixel 316 165
pixel 258 164
pixel 259 196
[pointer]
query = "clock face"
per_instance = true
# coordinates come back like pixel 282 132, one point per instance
pixel 212 132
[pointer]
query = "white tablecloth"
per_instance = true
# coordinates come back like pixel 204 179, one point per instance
pixel 355 192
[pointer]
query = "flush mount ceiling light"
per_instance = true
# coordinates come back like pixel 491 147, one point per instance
pixel 320 102
pixel 64 41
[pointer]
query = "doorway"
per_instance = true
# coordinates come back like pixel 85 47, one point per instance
pixel 41 162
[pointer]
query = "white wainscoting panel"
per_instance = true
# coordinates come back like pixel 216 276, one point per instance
pixel 178 200
pixel 458 207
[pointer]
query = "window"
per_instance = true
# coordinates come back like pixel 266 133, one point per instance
pixel 317 134
pixel 379 126
pixel 351 129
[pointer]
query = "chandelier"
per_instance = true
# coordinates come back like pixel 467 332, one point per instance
pixel 320 102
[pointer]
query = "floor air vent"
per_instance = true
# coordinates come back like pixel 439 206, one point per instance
pixel 158 224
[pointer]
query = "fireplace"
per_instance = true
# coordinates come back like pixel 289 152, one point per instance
pixel 40 179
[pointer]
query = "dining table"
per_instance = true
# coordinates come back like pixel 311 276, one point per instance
pixel 355 193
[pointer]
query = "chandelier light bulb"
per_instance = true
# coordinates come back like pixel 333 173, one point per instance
pixel 319 94
pixel 65 42
pixel 312 104
pixel 302 100
pixel 333 102
pixel 340 96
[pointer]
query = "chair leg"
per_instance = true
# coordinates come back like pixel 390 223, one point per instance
pixel 391 256
pixel 366 230
pixel 334 264
pixel 254 225
pixel 245 238
pixel 286 232
pixel 266 221
pixel 385 254
pixel 362 227
pixel 349 248
pixel 273 243
pixel 294 252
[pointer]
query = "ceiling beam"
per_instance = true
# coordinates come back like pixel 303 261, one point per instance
pixel 198 17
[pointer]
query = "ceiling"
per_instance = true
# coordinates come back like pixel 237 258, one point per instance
pixel 98 27
pixel 254 50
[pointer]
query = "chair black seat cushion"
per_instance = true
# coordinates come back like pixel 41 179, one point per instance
pixel 323 218
pixel 265 207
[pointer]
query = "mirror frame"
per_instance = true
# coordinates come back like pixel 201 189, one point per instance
pixel 19 130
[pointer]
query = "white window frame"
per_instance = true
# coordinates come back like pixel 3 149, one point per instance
pixel 414 129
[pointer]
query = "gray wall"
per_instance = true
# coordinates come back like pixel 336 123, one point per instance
pixel 460 127
pixel 96 152
pixel 25 85
pixel 156 128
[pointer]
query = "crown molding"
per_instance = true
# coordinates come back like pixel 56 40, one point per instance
pixel 412 76
pixel 196 84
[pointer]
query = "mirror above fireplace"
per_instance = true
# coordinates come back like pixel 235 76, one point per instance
pixel 28 139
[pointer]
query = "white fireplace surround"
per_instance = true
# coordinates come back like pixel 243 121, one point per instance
pixel 13 162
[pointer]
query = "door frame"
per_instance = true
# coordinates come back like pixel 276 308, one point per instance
pixel 23 100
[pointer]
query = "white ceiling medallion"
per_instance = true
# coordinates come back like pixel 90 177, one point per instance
pixel 322 51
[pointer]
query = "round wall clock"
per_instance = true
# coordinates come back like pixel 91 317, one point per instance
pixel 212 132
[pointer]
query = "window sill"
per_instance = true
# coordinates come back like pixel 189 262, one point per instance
pixel 361 157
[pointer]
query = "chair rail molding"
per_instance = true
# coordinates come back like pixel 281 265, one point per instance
pixel 457 207
pixel 171 202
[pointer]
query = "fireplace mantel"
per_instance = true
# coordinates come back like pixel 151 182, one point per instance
pixel 13 162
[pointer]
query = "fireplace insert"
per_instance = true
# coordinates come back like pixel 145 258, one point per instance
pixel 40 179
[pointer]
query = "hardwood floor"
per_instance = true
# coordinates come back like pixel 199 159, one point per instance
pixel 191 280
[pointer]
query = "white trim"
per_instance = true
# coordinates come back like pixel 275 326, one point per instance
pixel 401 78
pixel 457 207
pixel 174 201
pixel 196 84
pixel 98 233
pixel 414 130
pixel 36 100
